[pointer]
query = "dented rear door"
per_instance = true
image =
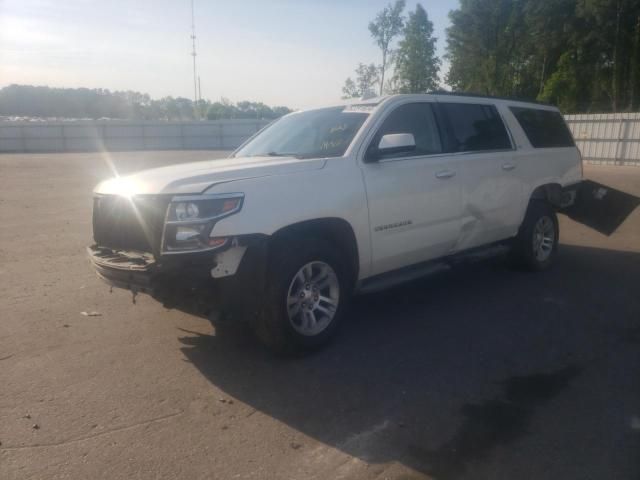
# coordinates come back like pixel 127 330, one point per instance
pixel 492 195
pixel 490 177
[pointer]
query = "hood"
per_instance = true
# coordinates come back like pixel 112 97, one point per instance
pixel 196 177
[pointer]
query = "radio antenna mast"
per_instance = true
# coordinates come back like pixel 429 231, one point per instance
pixel 193 54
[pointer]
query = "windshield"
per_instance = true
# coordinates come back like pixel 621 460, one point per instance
pixel 316 133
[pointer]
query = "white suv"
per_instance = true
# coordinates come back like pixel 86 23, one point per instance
pixel 325 203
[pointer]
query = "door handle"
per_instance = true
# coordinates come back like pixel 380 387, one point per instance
pixel 445 174
pixel 508 166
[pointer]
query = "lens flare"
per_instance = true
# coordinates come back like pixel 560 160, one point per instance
pixel 127 188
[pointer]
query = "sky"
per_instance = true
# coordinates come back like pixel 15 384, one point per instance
pixel 281 52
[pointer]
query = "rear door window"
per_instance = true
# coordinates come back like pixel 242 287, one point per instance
pixel 544 128
pixel 474 127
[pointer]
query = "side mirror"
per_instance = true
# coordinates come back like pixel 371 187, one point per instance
pixel 394 143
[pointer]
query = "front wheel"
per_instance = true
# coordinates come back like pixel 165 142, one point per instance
pixel 313 298
pixel 305 298
pixel 536 245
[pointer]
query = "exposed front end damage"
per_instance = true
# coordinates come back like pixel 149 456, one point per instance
pixel 218 285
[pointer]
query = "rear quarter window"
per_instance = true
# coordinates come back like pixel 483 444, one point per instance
pixel 544 128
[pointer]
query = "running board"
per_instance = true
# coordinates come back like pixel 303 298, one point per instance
pixel 421 270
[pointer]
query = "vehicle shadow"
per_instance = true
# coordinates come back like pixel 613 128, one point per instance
pixel 439 374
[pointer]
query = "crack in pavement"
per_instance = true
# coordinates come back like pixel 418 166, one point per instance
pixel 95 435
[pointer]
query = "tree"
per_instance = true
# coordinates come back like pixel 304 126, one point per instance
pixel 562 88
pixel 363 86
pixel 583 55
pixel 550 24
pixel 387 26
pixel 612 29
pixel 486 45
pixel 417 65
pixel 280 111
pixel 225 109
pixel 79 103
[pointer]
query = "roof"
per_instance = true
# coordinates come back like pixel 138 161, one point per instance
pixel 478 95
pixel 370 104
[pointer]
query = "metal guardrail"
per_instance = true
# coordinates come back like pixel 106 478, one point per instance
pixel 608 139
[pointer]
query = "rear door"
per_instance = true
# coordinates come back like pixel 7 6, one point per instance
pixel 491 186
pixel 414 198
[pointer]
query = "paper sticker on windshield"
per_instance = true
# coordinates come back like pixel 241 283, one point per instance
pixel 359 108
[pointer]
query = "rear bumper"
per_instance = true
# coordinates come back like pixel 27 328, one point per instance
pixel 569 195
pixel 600 207
pixel 185 282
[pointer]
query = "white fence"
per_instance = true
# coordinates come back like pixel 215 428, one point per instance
pixel 602 138
pixel 612 139
pixel 122 135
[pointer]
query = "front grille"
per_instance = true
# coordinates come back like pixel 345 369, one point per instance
pixel 129 224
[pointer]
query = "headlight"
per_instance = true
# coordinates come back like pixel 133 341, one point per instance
pixel 185 210
pixel 190 219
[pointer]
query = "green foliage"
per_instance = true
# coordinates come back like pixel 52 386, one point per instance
pixel 225 109
pixel 367 78
pixel 416 63
pixel 46 102
pixel 562 88
pixel 387 26
pixel 583 55
pixel 484 47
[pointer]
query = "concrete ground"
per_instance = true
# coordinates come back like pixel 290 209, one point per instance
pixel 479 373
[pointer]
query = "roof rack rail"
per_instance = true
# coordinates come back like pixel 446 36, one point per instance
pixel 479 95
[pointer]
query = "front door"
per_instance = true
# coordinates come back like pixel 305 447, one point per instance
pixel 414 198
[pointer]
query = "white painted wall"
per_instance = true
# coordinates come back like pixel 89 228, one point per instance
pixel 123 135
pixel 602 138
pixel 612 139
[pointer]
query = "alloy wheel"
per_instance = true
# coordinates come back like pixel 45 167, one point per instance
pixel 543 238
pixel 313 298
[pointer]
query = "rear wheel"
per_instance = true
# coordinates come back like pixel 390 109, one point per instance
pixel 536 245
pixel 306 294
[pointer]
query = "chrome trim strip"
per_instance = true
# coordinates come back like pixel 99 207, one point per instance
pixel 450 154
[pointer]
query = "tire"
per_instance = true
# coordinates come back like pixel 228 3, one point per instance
pixel 536 245
pixel 307 291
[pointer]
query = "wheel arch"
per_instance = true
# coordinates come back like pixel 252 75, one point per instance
pixel 335 230
pixel 549 192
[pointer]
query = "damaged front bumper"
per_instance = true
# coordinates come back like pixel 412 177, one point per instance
pixel 224 283
pixel 131 271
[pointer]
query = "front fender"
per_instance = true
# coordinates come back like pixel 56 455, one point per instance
pixel 273 203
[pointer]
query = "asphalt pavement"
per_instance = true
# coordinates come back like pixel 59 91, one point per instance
pixel 481 372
